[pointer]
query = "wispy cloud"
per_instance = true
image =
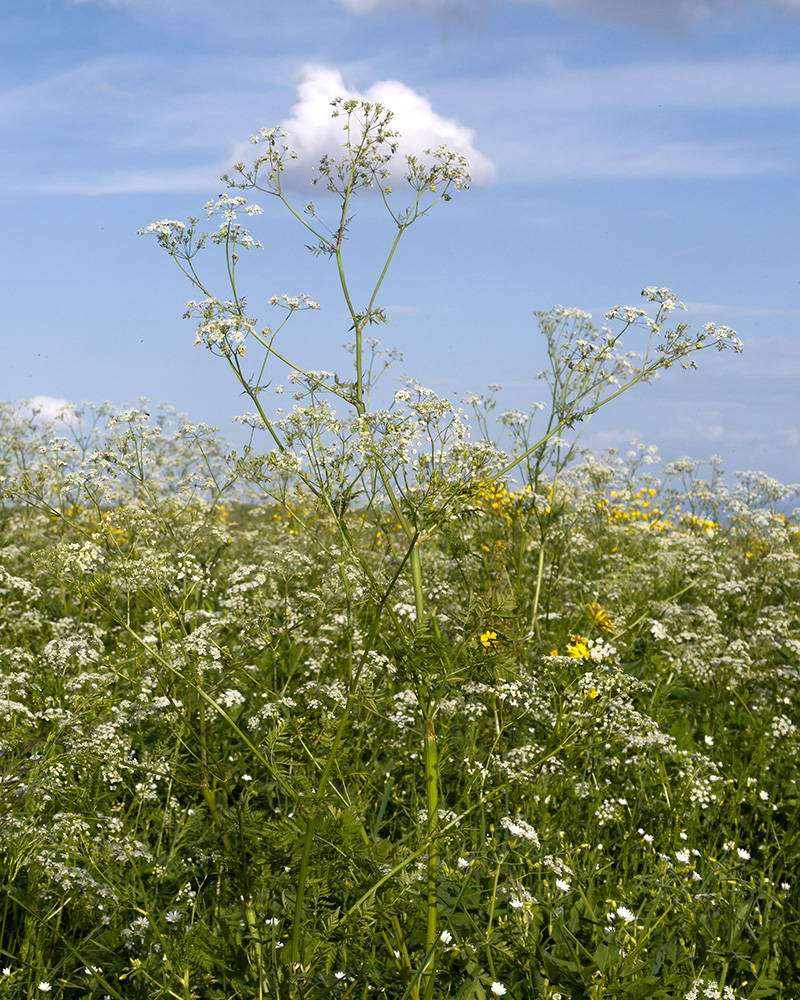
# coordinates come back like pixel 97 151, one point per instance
pixel 581 153
pixel 434 8
pixel 664 15
pixel 702 85
pixel 184 181
pixel 668 15
pixel 680 118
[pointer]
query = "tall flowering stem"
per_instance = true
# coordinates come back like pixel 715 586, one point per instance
pixel 225 329
pixel 588 368
pixel 431 753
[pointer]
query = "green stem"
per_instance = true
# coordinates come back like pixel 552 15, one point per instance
pixel 539 574
pixel 491 915
pixel 432 797
pixel 416 579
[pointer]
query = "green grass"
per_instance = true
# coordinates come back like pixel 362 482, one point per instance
pixel 224 728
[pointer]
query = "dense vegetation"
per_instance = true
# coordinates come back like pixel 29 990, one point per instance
pixel 616 754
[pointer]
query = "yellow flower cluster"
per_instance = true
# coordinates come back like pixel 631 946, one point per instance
pixel 637 508
pixel 640 508
pixel 498 501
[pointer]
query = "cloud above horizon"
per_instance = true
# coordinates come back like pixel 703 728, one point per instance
pixel 48 409
pixel 314 133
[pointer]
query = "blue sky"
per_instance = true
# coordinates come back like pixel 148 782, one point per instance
pixel 614 144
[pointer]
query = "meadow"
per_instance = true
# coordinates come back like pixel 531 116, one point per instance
pixel 409 701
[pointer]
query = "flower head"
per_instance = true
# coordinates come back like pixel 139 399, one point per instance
pixel 595 614
pixel 489 639
pixel 578 647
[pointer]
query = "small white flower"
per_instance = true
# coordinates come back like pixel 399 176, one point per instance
pixel 446 937
pixel 519 828
pixel 743 854
pixel 625 914
pixel 498 989
pixel 45 987
pixel 683 857
pixel 173 916
pixel 562 884
pixel 463 863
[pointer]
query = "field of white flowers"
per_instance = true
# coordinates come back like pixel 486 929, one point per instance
pixel 388 704
pixel 617 772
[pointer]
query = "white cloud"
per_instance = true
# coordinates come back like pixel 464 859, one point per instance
pixel 314 133
pixel 138 124
pixel 44 409
pixel 142 135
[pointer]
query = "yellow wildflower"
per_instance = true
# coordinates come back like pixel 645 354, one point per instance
pixel 489 640
pixel 578 647
pixel 599 617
